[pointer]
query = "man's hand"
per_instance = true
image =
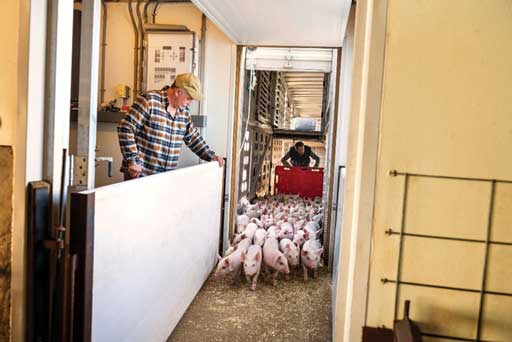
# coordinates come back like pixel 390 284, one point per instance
pixel 135 170
pixel 219 159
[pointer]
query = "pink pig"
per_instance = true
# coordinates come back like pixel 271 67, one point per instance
pixel 252 264
pixel 274 259
pixel 310 257
pixel 286 231
pixel 272 232
pixel 260 236
pixel 249 232
pixel 312 230
pixel 291 251
pixel 232 264
pixel 241 222
pixel 299 238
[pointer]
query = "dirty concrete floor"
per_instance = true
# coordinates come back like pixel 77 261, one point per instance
pixel 224 311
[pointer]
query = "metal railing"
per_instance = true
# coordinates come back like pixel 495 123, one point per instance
pixel 482 290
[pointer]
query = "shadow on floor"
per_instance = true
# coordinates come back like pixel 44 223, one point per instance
pixel 291 311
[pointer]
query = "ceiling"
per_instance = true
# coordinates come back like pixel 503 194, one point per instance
pixel 308 23
pixel 306 90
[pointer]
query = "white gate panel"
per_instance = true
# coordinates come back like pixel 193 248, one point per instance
pixel 155 242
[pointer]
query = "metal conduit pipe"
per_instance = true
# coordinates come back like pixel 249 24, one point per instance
pixel 158 2
pixel 202 52
pixel 140 47
pixel 154 11
pixel 103 49
pixel 145 12
pixel 135 52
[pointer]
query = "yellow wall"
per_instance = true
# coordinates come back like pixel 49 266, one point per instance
pixel 8 71
pixel 14 20
pixel 446 110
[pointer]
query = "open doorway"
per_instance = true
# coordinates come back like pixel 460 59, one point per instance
pixel 287 100
pixel 286 96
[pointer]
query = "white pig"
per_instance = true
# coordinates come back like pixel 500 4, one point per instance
pixel 286 231
pixel 299 224
pixel 260 236
pixel 241 222
pixel 299 238
pixel 274 259
pixel 312 230
pixel 258 222
pixel 232 264
pixel 248 233
pixel 318 218
pixel 272 232
pixel 252 264
pixel 291 251
pixel 310 257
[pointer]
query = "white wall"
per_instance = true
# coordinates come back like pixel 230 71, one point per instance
pixel 218 80
pixel 149 266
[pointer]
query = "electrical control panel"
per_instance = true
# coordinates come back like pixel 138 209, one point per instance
pixel 167 55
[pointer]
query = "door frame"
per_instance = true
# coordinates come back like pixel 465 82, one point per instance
pixel 238 106
pixel 359 193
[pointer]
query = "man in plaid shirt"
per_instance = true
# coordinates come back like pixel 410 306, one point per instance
pixel 151 133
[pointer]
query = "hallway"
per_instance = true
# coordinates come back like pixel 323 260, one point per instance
pixel 292 311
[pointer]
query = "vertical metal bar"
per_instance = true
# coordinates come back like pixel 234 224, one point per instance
pixel 330 170
pixel 223 208
pixel 58 92
pixel 400 250
pixel 486 261
pixel 88 93
pixel 335 213
pixel 235 167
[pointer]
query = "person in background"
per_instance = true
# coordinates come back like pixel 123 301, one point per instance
pixel 300 155
pixel 152 131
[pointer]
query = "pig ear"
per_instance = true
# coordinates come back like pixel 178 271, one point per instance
pixel 304 252
pixel 242 256
pixel 258 257
pixel 287 248
pixel 227 261
pixel 321 251
pixel 296 244
pixel 306 234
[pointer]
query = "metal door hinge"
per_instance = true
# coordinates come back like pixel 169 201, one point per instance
pixel 79 170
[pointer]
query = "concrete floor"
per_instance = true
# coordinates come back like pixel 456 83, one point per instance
pixel 224 311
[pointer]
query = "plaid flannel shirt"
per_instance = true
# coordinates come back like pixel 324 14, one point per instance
pixel 151 137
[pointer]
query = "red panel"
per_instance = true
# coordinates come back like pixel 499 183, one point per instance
pixel 305 182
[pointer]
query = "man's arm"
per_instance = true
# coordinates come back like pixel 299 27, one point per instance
pixel 316 158
pixel 127 129
pixel 285 158
pixel 198 145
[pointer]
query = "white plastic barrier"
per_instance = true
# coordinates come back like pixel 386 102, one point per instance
pixel 155 242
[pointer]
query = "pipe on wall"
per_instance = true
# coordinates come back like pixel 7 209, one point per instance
pixel 202 51
pixel 103 50
pixel 135 52
pixel 140 47
pixel 145 12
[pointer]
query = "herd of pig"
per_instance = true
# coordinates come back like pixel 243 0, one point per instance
pixel 274 235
